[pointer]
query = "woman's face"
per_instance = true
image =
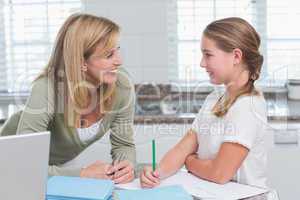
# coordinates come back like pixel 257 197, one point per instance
pixel 103 67
pixel 218 64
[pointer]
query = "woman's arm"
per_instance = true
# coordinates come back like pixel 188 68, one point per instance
pixel 36 116
pixel 122 142
pixel 221 169
pixel 121 137
pixel 175 157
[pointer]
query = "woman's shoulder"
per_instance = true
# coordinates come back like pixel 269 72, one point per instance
pixel 124 79
pixel 124 87
pixel 43 85
pixel 42 82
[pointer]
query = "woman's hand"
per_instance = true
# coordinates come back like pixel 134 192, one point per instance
pixel 124 172
pixel 148 178
pixel 98 170
pixel 189 159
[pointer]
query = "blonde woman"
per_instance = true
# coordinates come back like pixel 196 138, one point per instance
pixel 226 139
pixel 82 94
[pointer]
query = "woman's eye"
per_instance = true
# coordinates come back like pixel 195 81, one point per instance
pixel 109 55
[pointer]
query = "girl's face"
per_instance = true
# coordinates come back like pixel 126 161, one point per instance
pixel 218 64
pixel 103 68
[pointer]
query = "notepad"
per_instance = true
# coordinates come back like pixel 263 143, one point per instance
pixel 203 189
pixel 175 192
pixel 76 188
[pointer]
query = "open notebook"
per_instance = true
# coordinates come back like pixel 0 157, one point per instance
pixel 174 192
pixel 203 189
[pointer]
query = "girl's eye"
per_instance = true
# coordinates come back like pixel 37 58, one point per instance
pixel 208 55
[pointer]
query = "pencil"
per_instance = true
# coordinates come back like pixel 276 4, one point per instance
pixel 153 156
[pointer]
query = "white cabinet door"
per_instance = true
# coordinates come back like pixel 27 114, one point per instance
pixel 284 162
pixel 284 170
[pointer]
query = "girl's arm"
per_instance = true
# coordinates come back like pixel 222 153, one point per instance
pixel 175 157
pixel 221 169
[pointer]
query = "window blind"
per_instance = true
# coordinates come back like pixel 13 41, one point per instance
pixel 275 20
pixel 283 39
pixel 28 30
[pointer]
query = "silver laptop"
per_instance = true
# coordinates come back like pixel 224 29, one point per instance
pixel 24 166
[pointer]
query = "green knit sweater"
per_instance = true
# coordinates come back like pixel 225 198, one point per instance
pixel 39 115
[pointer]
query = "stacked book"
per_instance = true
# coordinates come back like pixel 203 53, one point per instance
pixel 76 188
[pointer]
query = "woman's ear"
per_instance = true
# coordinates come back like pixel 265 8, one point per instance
pixel 238 55
pixel 84 66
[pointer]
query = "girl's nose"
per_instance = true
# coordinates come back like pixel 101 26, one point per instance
pixel 203 63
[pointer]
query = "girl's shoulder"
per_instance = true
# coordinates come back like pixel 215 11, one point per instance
pixel 252 99
pixel 249 106
pixel 249 99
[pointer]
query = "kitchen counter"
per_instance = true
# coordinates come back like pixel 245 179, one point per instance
pixel 155 104
pixel 185 118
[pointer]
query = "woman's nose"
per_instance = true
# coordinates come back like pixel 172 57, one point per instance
pixel 117 60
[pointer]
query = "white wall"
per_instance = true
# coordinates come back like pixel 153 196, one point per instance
pixel 144 35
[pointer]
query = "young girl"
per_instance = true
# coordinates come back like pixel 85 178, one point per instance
pixel 82 94
pixel 226 139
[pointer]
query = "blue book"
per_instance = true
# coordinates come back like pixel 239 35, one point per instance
pixel 175 192
pixel 76 188
pixel 59 198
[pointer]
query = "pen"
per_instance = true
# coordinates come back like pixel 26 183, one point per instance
pixel 119 159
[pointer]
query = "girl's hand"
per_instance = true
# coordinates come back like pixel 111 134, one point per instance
pixel 148 178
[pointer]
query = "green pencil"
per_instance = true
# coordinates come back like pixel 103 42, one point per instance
pixel 153 156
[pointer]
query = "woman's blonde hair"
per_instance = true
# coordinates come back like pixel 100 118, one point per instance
pixel 76 41
pixel 229 34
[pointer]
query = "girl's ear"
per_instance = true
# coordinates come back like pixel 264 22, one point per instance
pixel 238 55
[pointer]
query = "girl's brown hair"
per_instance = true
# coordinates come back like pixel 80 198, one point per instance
pixel 229 34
